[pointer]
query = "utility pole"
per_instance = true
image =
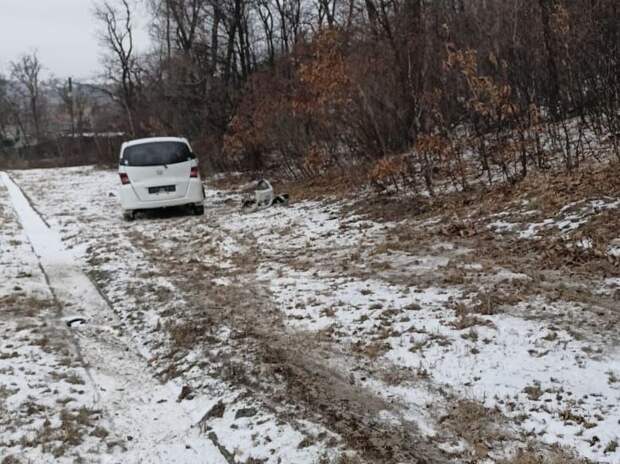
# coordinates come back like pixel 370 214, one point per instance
pixel 71 107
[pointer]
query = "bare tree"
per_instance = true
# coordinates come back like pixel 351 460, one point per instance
pixel 187 15
pixel 26 71
pixel 116 36
pixel 6 109
pixel 372 78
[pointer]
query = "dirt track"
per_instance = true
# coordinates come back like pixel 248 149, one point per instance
pixel 295 373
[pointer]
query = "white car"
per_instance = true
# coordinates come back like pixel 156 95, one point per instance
pixel 159 172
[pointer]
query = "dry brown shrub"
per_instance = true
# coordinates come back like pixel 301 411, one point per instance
pixel 325 75
pixel 388 170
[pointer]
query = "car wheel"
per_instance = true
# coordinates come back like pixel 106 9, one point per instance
pixel 129 215
pixel 199 210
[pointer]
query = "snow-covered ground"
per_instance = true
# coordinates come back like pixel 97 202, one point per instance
pixel 425 330
pixel 121 411
pixel 559 387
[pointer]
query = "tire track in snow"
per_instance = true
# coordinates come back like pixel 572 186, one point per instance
pixel 137 406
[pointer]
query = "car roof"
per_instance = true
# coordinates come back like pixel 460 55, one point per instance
pixel 154 139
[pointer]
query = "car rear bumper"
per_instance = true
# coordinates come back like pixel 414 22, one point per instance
pixel 131 202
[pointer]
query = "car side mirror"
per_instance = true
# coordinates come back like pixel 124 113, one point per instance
pixel 192 155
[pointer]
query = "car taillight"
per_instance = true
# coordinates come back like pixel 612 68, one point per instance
pixel 124 178
pixel 194 172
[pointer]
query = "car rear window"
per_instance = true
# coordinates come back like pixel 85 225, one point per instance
pixel 155 154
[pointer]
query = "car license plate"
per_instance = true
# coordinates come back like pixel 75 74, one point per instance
pixel 164 188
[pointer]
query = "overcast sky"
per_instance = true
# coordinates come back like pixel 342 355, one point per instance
pixel 62 31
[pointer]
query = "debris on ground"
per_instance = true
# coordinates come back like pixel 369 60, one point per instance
pixel 263 196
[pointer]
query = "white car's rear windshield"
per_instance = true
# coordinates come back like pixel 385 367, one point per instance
pixel 156 154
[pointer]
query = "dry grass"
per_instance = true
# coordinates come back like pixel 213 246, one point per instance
pixel 554 455
pixel 331 184
pixel 533 392
pixel 74 379
pixel 17 305
pixel 373 350
pixel 479 426
pixel 186 335
pixel 56 440
pixel 465 216
pixel 10 459
pixel 70 433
